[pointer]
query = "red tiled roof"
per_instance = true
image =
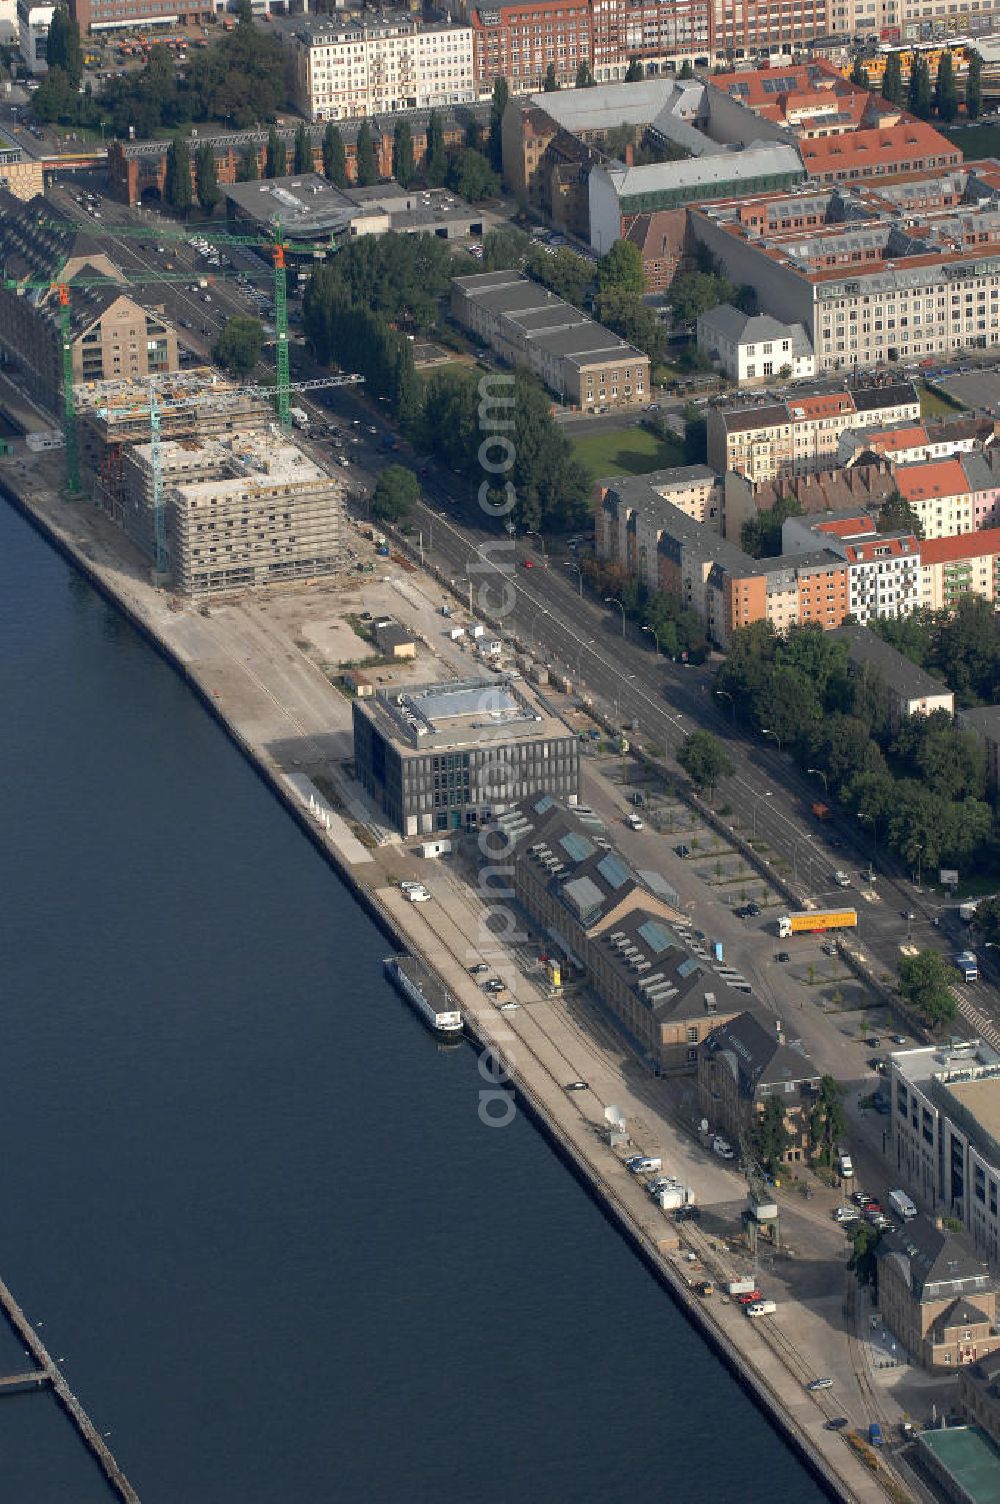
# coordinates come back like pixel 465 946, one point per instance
pixel 888 441
pixel 960 546
pixel 826 406
pixel 847 527
pixel 938 478
pixel 910 141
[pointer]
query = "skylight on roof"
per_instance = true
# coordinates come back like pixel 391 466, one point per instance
pixel 614 872
pixel 656 936
pixel 576 846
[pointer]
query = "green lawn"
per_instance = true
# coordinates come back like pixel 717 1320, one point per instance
pixel 977 141
pixel 627 451
pixel 934 406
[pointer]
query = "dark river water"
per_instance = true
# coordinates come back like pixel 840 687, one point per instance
pixel 247 1196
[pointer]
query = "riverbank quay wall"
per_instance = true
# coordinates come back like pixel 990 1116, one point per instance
pixel 80 534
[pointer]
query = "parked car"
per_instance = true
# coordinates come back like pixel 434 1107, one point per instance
pixel 576 1086
pixel 838 1423
pixel 479 969
pixel 815 1384
pixel 782 956
pixel 682 850
pixel 723 1148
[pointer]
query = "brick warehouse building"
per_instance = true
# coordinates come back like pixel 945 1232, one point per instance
pixel 138 169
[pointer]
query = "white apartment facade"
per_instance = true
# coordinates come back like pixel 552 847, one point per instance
pixel 348 69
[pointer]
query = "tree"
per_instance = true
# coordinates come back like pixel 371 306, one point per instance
pixel 693 293
pixel 505 249
pixel 925 980
pixel 946 90
pixel 177 181
pixel 687 69
pixel 634 74
pixel 974 87
pixel 622 268
pixel 551 83
pixel 859 74
pixel 276 160
pixel 248 170
pixel 303 157
pixel 501 94
pixel 471 177
pixel 239 345
pixel 396 494
pixel 827 1121
pixel 244 13
pixel 63 49
pixel 704 760
pixel 402 154
pixel 366 172
pixel 564 273
pixel 864 1241
pixel 921 94
pixel 584 77
pixel 634 320
pixel 769 1137
pixel 986 919
pixel 897 516
pixel 761 534
pixel 206 180
pixel 436 162
pixel 334 156
pixel 892 80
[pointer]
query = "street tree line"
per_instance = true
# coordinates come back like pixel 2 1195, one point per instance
pixel 357 311
pixel 925 98
pixel 918 788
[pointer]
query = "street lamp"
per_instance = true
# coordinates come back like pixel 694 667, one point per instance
pixel 534 618
pixel 572 564
pixel 765 795
pixel 610 600
pixel 579 656
pixel 656 636
pixel 766 731
pixel 826 782
pixel 920 851
pixel 874 825
pixel 727 696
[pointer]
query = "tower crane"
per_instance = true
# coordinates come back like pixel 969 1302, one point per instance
pixel 278 248
pixel 63 291
pixel 205 393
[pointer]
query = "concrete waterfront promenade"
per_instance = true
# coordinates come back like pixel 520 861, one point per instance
pixel 286 717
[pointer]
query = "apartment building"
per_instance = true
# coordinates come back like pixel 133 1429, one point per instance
pixel 662 37
pixel 664 244
pixel 911 690
pixel 33 22
pixel 801 433
pixel 945 1129
pixel 583 363
pixel 862 488
pixel 113 335
pixel 911 443
pixel 968 564
pixel 811 98
pixel 754 348
pixel 878 272
pixel 520 42
pixel 241 511
pixel 884 577
pixel 620 931
pixel 349 68
pixel 639 527
pixel 940 495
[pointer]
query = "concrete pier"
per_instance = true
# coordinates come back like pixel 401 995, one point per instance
pixel 49 1372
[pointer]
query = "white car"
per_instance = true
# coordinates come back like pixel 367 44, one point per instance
pixel 508 1007
pixel 723 1148
pixel 634 822
pixel 416 895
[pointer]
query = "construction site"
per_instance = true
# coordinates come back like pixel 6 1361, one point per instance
pixel 200 477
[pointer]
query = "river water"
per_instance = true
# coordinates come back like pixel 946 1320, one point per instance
pixel 247 1196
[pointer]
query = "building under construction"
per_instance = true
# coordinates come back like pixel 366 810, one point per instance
pixel 241 510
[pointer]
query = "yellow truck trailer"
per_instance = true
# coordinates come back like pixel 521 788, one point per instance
pixel 812 921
